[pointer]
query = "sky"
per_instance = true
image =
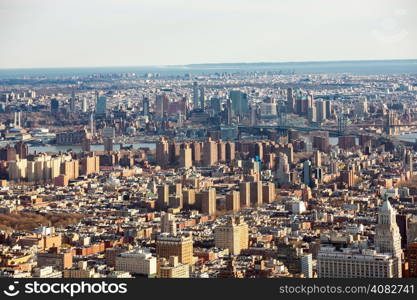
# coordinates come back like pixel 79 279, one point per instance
pixel 82 33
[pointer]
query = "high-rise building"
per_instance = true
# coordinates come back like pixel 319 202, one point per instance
pixel 101 107
pixel 195 95
pixel 210 156
pixel 186 159
pixel 233 235
pixel 283 170
pixel 256 193
pixel 208 201
pixel 321 110
pixel 54 106
pixel 84 105
pixel 307 265
pixel 181 246
pixel 387 235
pixel 162 153
pixel 268 192
pixel 240 103
pixel 145 108
pixel 73 102
pixel 202 98
pixel 233 201
pixel 290 101
pixel 307 172
pixel 245 190
pixel 163 196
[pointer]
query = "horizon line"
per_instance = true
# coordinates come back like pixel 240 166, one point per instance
pixel 212 63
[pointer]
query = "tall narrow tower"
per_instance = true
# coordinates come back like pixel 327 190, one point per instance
pixel 387 234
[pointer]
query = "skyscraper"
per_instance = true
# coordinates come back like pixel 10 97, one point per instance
pixel 240 103
pixel 72 102
pixel 202 98
pixel 195 95
pixel 307 172
pixel 101 107
pixel 387 235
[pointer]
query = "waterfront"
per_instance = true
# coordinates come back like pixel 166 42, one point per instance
pixel 77 148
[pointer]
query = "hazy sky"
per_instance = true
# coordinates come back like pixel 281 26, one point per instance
pixel 58 33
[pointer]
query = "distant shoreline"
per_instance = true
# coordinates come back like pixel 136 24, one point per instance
pixel 399 66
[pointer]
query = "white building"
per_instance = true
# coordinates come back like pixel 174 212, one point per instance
pixel 137 261
pixel 352 263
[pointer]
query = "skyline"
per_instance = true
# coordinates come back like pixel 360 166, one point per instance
pixel 171 33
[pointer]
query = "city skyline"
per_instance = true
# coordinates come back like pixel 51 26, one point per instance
pixel 160 33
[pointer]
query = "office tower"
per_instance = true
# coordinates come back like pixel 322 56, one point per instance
pixel 229 112
pixel 317 158
pixel 54 106
pixel 168 224
pixel 283 170
pixel 216 104
pixel 174 269
pixel 387 235
pixel 290 101
pixel 240 103
pixel 233 235
pixel 101 107
pixel 181 246
pixel 186 157
pixel 268 192
pixel 84 105
pixel 233 201
pixel 244 188
pixel 256 193
pixel 145 108
pixel 321 111
pixel 202 98
pixel 353 263
pixel 307 171
pixel 163 196
pixel 329 109
pixel 72 102
pixel 210 156
pixel 208 201
pixel 137 261
pixel 162 153
pixel 195 95
pixel 307 265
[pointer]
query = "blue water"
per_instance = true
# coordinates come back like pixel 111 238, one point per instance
pixel 353 67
